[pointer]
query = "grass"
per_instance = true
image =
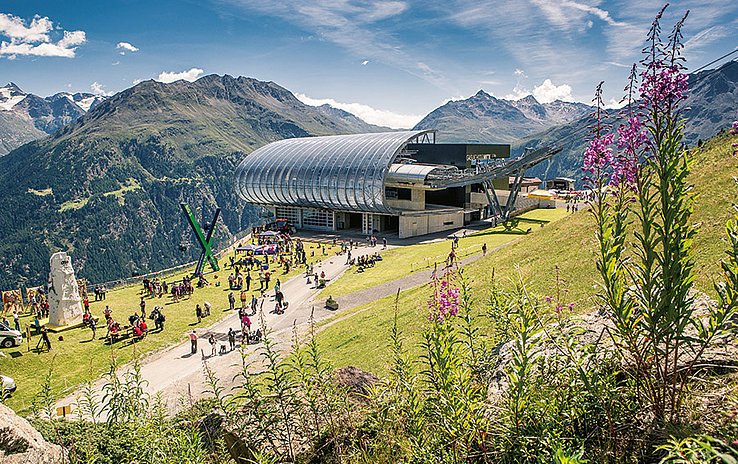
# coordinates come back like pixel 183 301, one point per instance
pixel 78 359
pixel 362 339
pixel 120 194
pixel 401 261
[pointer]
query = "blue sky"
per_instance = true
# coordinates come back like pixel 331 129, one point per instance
pixel 389 61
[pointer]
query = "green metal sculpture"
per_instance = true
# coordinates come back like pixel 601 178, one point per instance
pixel 204 239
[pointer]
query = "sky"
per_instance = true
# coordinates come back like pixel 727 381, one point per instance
pixel 389 62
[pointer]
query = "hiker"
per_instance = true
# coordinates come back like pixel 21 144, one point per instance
pixel 484 249
pixel 142 305
pixel 45 338
pixel 254 302
pixel 93 327
pixel 193 342
pixel 212 342
pixel 231 301
pixel 245 324
pixel 232 338
pixel 198 313
pixel 243 298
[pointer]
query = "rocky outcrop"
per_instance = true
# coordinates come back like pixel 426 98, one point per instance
pixel 20 443
pixel 356 381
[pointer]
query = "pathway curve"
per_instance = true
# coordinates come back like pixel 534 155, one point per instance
pixel 176 374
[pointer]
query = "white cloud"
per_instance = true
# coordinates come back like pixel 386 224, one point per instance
pixel 366 112
pixel 35 39
pixel 614 104
pixel 189 75
pixel 99 89
pixel 548 92
pixel 116 63
pixel 544 93
pixel 365 62
pixel 126 46
pixel 137 81
pixel 520 73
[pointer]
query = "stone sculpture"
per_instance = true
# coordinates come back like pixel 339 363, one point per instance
pixel 65 303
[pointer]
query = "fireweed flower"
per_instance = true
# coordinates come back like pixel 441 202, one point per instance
pixel 631 137
pixel 445 301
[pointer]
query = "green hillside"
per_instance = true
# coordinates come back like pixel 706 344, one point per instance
pixel 362 339
pixel 113 180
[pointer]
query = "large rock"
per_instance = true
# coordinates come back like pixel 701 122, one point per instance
pixel 65 303
pixel 20 443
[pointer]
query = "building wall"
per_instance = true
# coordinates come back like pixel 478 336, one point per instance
pixel 421 224
pixel 416 202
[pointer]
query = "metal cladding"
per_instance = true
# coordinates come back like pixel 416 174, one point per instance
pixel 340 172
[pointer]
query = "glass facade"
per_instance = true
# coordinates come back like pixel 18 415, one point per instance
pixel 338 173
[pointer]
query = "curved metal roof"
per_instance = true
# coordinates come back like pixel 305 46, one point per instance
pixel 338 172
pixel 408 173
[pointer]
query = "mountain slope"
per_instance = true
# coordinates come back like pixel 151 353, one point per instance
pixel 15 130
pixel 107 187
pixel 712 101
pixel 485 119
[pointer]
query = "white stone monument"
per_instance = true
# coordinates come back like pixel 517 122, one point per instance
pixel 65 303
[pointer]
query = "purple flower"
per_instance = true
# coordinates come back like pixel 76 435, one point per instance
pixel 631 137
pixel 598 155
pixel 548 298
pixel 663 85
pixel 734 128
pixel 445 301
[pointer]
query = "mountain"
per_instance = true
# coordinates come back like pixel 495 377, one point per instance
pixel 107 187
pixel 712 103
pixel 15 130
pixel 355 124
pixel 46 114
pixel 483 118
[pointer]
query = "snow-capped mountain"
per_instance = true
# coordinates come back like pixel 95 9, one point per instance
pixel 33 116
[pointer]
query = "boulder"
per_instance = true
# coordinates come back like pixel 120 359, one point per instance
pixel 20 443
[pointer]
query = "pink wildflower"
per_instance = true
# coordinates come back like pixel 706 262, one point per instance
pixel 445 301
pixel 548 298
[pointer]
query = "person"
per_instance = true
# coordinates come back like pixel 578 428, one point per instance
pixel 45 338
pixel 212 342
pixel 231 301
pixel 254 302
pixel 484 249
pixel 208 307
pixel 159 321
pixel 232 338
pixel 93 327
pixel 193 342
pixel 142 305
pixel 384 243
pixel 107 312
pixel 243 298
pixel 198 313
pixel 16 322
pixel 245 324
pixel 248 281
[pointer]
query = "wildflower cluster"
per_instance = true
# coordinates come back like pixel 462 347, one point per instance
pixel 444 303
pixel 631 138
pixel 734 131
pixel 598 155
pixel 663 85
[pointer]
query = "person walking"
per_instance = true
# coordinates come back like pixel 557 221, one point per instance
pixel 93 327
pixel 45 338
pixel 193 342
pixel 243 298
pixel 248 281
pixel 142 305
pixel 484 249
pixel 232 338
pixel 231 301
pixel 198 313
pixel 212 342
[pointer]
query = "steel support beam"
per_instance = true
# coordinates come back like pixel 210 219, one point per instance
pixel 204 239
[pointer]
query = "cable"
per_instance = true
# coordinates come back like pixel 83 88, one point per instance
pixel 715 60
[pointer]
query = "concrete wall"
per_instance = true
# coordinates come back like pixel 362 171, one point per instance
pixel 479 200
pixel 416 203
pixel 421 224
